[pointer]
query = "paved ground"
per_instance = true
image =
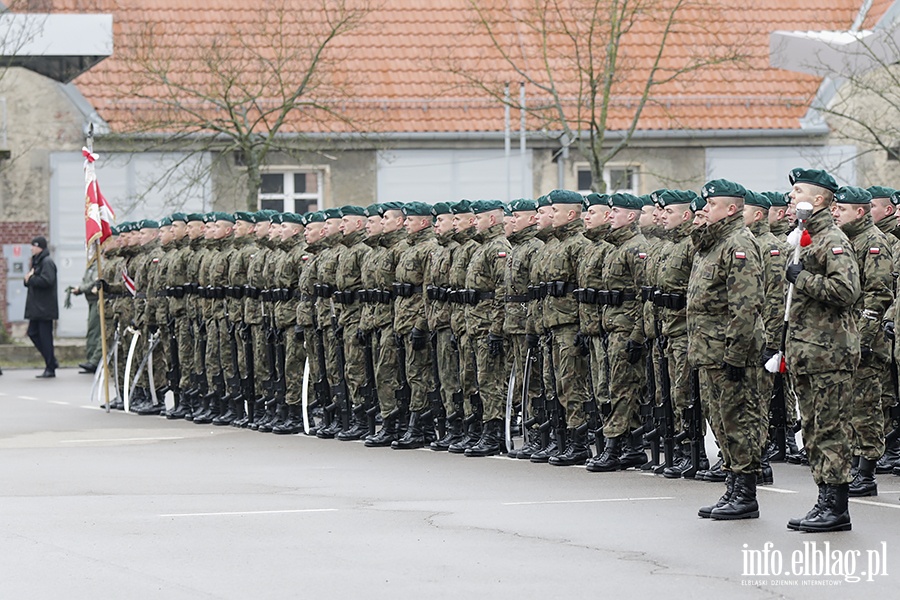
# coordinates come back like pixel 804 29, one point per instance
pixel 97 505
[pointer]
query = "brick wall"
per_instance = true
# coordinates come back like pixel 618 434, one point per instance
pixel 16 232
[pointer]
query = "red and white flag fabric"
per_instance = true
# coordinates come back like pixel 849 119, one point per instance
pixel 98 214
pixel 129 283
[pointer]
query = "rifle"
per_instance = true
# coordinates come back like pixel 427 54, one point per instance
pixel 647 410
pixel 556 414
pixel 280 383
pixel 339 391
pixel 404 394
pixel 321 386
pixel 248 383
pixel 778 418
pixel 434 395
pixel 368 390
pixel 895 409
pixel 693 417
pixel 174 372
pixel 199 376
pixel 234 383
pixel 663 413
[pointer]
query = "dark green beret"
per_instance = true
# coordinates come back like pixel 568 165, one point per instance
pixel 441 208
pixel 852 195
pixel 178 216
pixel 629 201
pixel 595 199
pixel 718 188
pixel 506 211
pixel 655 196
pixel 209 217
pixel 417 209
pixel 565 197
pixel 483 206
pixel 333 213
pixel 462 207
pixel 149 224
pixel 262 216
pixel 673 197
pixel 165 222
pixel 522 205
pixel 647 200
pixel 543 201
pixel 278 218
pixel 351 210
pixel 113 230
pixel 895 198
pixel 315 217
pixel 697 204
pixel 249 217
pixel 777 199
pixel 879 191
pixel 374 210
pixel 224 216
pixel 393 205
pixel 813 176
pixel 290 217
pixel 756 199
pixel 195 217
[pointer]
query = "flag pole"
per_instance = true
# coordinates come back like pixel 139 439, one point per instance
pixel 102 325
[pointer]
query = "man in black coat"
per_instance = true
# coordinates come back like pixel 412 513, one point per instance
pixel 41 305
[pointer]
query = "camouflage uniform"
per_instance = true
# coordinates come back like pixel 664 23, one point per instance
pixel 437 287
pixel 461 256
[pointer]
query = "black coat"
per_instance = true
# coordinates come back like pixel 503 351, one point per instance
pixel 42 303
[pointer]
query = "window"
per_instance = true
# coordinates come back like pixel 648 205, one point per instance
pixel 622 179
pixel 295 191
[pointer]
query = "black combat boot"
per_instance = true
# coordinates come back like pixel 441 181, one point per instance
pixel 794 524
pixel 389 434
pixel 205 416
pixel 279 414
pixel 471 437
pixel 800 458
pixel 632 454
pixel 150 407
pixel 577 451
pixel 835 515
pixel 891 456
pixel 545 452
pixel 706 511
pixel 429 431
pixel 864 483
pixel 358 428
pixel 716 473
pixel 227 417
pixel 415 434
pixel 531 446
pixel 767 476
pixel 182 407
pixel 293 423
pixel 742 504
pixel 608 460
pixel 196 401
pixel 491 441
pixel 680 463
pixel 139 397
pixel 453 435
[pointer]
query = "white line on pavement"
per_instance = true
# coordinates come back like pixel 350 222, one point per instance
pixel 142 439
pixel 27 398
pixel 252 512
pixel 60 402
pixel 774 489
pixel 871 503
pixel 587 501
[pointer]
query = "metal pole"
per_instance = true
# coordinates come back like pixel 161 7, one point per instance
pixel 522 155
pixel 506 142
pixel 100 302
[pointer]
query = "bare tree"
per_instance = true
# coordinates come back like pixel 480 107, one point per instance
pixel 595 68
pixel 244 85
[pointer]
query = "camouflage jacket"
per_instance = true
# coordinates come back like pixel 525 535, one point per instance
pixel 306 306
pixel 370 280
pixel 287 273
pixel 561 269
pixel 673 275
pixel 253 309
pixel 206 279
pixel 395 244
pixel 775 256
pixel 437 282
pixel 660 245
pixel 886 226
pixel 822 335
pixel 873 255
pixel 624 273
pixel 176 275
pixel 238 267
pixel 468 242
pixel 487 275
pixel 725 297
pixel 196 253
pixel 538 275
pixel 326 274
pixel 150 303
pixel 412 265
pixel 219 275
pixel 348 277
pixel 780 229
pixel 525 246
pixel 590 277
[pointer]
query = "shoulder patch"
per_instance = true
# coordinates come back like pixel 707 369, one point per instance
pixel 774 253
pixel 642 255
pixel 304 257
pixel 874 251
pixel 837 250
pixel 739 254
pixel 155 260
pixel 501 254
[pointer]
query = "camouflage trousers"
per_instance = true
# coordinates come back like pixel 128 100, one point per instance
pixel 354 364
pixel 572 370
pixel 518 356
pixel 679 378
pixel 625 384
pixel 418 374
pixel 467 380
pixel 263 355
pixel 825 400
pixel 866 411
pixel 599 369
pixel 213 359
pixel 734 417
pixel 387 376
pixel 887 397
pixel 184 340
pixel 158 359
pixel 448 369
pixel 492 377
pixel 294 364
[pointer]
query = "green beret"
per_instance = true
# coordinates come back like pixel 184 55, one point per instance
pixel 852 195
pixel 249 217
pixel 178 216
pixel 209 217
pixel 333 213
pixel 595 199
pixel 813 176
pixel 522 205
pixel 462 207
pixel 673 197
pixel 351 210
pixel 374 210
pixel 278 218
pixel 195 217
pixel 543 201
pixel 483 206
pixel 895 198
pixel 697 204
pixel 879 191
pixel 113 230
pixel 262 216
pixel 506 211
pixel 290 217
pixel 718 188
pixel 417 209
pixel 629 201
pixel 393 205
pixel 777 199
pixel 224 216
pixel 655 196
pixel 647 200
pixel 565 197
pixel 165 222
pixel 148 224
pixel 441 208
pixel 315 217
pixel 756 199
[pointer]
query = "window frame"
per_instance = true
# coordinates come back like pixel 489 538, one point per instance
pixel 607 177
pixel 289 197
